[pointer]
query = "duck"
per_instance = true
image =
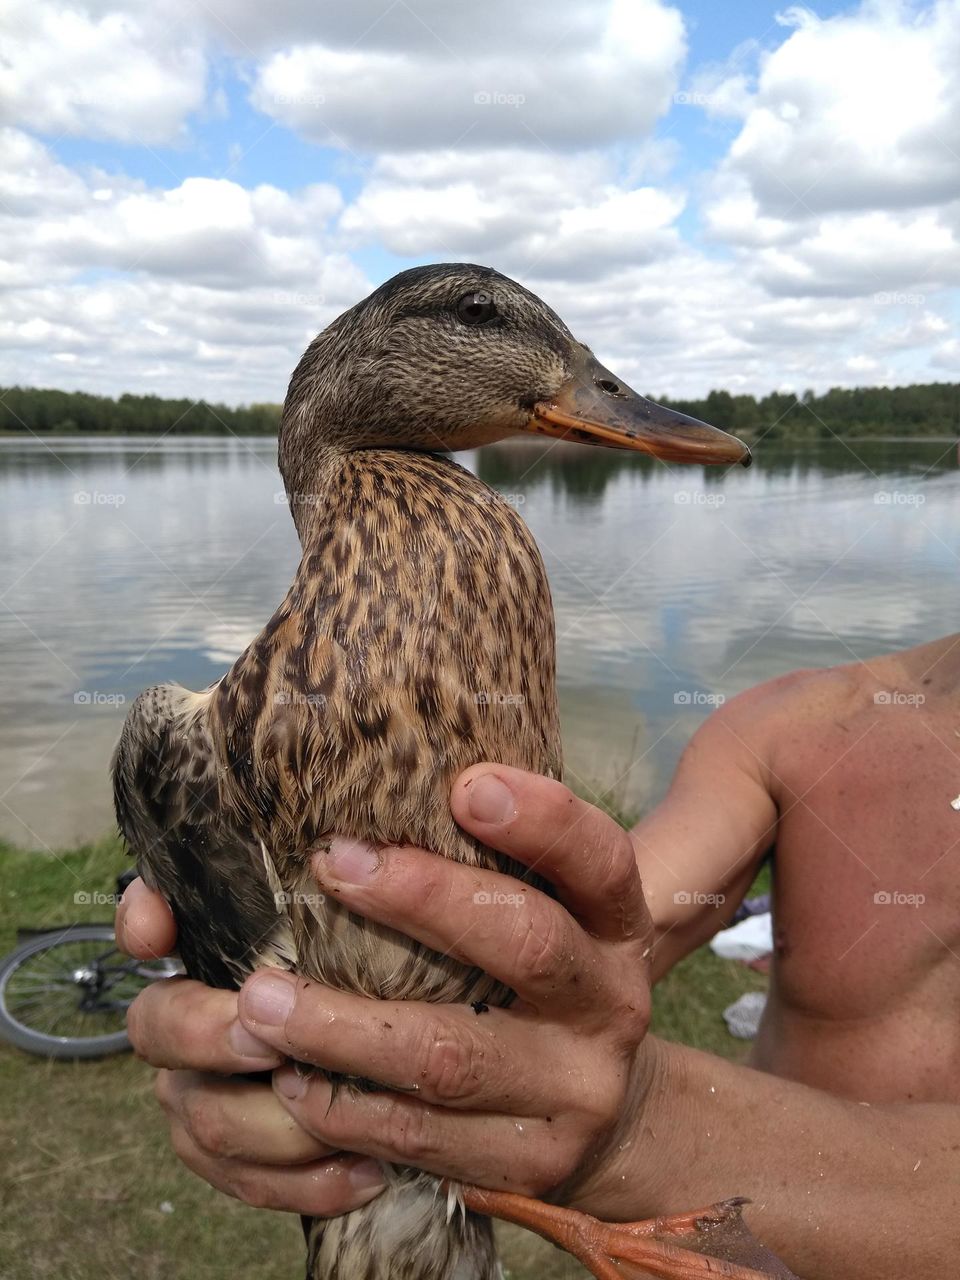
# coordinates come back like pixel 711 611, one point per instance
pixel 419 592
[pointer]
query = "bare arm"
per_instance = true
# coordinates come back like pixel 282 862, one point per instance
pixel 838 1188
pixel 699 850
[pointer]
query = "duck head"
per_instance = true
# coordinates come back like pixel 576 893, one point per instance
pixel 454 356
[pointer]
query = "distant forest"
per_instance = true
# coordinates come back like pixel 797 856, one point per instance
pixel 56 412
pixel 929 410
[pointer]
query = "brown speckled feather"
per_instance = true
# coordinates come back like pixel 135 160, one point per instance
pixel 400 656
pixel 416 639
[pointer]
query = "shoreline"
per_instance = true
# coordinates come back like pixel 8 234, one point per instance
pixel 779 442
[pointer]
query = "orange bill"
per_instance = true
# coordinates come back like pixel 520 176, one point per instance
pixel 595 407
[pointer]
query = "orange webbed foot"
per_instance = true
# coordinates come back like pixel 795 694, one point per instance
pixel 704 1245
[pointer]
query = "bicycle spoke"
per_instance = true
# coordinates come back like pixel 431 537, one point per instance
pixel 73 988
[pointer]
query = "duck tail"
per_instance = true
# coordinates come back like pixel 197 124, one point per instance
pixel 407 1233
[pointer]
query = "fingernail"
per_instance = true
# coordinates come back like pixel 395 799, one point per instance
pixel 366 1175
pixel 268 998
pixel 490 800
pixel 290 1082
pixel 352 861
pixel 245 1044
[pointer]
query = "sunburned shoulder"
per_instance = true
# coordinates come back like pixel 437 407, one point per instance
pixel 804 693
pixel 805 705
pixel 755 722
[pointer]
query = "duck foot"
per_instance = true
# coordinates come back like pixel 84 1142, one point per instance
pixel 704 1245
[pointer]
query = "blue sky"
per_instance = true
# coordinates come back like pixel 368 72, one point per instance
pixel 750 196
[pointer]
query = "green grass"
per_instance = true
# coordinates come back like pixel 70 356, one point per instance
pixel 40 889
pixel 89 1189
pixel 688 1002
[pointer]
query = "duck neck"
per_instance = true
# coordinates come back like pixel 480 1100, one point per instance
pixel 308 481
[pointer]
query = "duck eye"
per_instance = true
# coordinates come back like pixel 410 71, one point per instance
pixel 476 308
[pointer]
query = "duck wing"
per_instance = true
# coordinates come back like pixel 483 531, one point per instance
pixel 213 871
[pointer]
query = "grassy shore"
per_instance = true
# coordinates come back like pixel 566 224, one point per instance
pixel 90 1190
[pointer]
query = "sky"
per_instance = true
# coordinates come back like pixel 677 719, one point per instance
pixel 738 196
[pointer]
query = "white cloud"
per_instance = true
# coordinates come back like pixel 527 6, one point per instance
pixel 116 335
pixel 210 288
pixel 724 89
pixel 589 77
pixel 686 323
pixel 207 230
pixel 833 213
pixel 431 26
pixel 31 180
pixel 115 74
pixel 857 111
pixel 844 180
pixel 732 216
pixel 946 359
pixel 560 220
pixel 864 254
pixel 206 288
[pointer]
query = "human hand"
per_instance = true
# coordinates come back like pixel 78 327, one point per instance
pixel 232 1132
pixel 533 1098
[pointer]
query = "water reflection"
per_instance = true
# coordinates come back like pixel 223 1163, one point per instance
pixel 129 561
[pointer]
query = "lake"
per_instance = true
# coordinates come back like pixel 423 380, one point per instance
pixel 127 561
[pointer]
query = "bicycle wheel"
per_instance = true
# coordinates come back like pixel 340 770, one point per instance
pixel 65 994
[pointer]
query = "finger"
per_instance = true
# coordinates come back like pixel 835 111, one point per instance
pixel 470 1146
pixel 483 918
pixel 588 858
pixel 144 925
pixel 178 1023
pixel 324 1189
pixel 446 1054
pixel 236 1119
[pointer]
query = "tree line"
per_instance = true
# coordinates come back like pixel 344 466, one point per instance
pixel 42 410
pixel 931 409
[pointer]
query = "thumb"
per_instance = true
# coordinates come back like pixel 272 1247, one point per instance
pixel 144 924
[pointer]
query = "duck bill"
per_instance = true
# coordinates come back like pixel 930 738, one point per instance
pixel 595 407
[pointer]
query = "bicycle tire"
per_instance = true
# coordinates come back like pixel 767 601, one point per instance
pixel 22 1036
